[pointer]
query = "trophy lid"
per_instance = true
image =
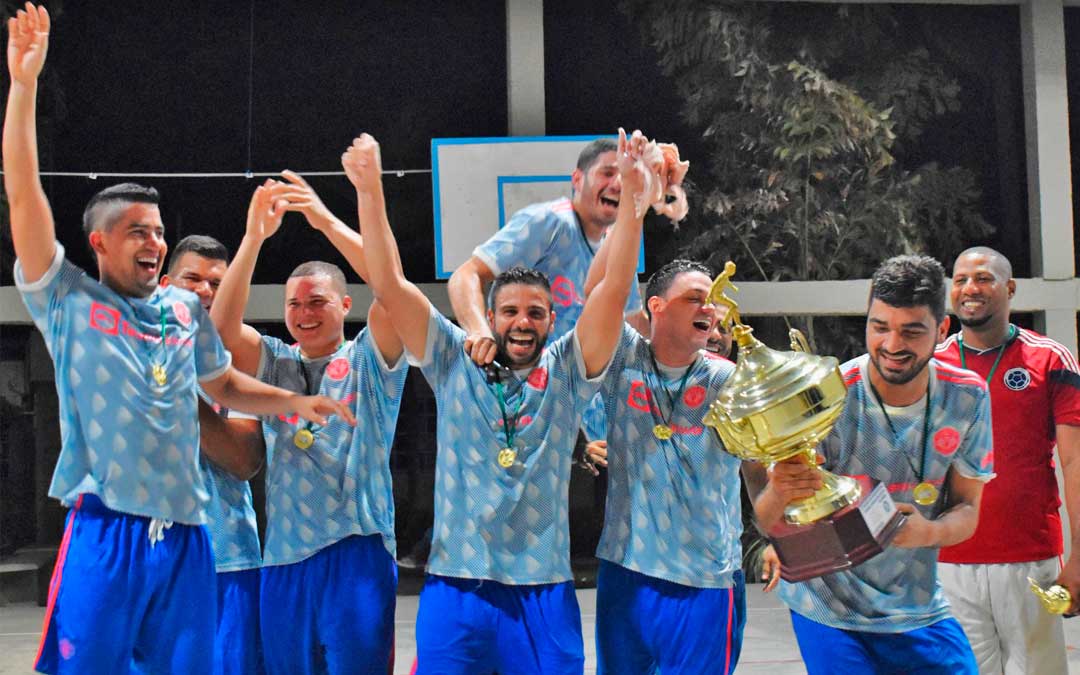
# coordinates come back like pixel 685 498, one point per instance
pixel 764 377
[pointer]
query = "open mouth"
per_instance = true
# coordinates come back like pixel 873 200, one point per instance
pixel 147 263
pixel 308 326
pixel 972 305
pixel 702 325
pixel 896 361
pixel 609 202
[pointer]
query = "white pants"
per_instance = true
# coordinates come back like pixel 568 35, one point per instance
pixel 1008 628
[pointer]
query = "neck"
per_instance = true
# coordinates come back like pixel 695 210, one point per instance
pixel 317 352
pixel 671 355
pixel 987 336
pixel 593 231
pixel 899 395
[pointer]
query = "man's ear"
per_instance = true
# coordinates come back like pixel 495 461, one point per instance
pixel 164 280
pixel 655 304
pixel 943 329
pixel 576 180
pixel 97 243
pixel 1011 285
pixel 346 303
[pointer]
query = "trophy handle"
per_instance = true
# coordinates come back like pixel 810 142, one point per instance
pixel 798 341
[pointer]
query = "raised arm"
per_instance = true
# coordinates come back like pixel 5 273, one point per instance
pixel 409 310
pixel 601 321
pixel 466 291
pixel 263 219
pixel 234 445
pixel 32 229
pixel 637 318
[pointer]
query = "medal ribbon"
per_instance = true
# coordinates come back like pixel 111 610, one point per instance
pixel 509 421
pixel 921 472
pixel 1000 351
pixel 672 401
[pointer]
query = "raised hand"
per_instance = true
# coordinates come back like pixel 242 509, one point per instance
pixel 363 164
pixel 28 41
pixel 297 195
pixel 264 212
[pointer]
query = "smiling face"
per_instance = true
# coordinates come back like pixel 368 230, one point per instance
pixel 131 251
pixel 683 317
pixel 315 312
pixel 198 274
pixel 520 323
pixel 981 289
pixel 901 340
pixel 597 191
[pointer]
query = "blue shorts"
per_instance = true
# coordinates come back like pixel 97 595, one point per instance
pixel 941 647
pixel 331 613
pixel 237 644
pixel 472 626
pixel 644 624
pixel 117 603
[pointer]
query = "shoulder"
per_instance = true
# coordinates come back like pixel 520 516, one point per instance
pixel 954 376
pixel 852 370
pixel 1039 348
pixel 948 349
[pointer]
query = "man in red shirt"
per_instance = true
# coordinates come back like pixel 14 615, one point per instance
pixel 1035 402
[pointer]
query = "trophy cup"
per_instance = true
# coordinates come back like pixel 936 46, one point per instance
pixel 778 405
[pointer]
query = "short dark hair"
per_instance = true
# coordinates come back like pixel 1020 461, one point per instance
pixel 661 279
pixel 101 211
pixel 593 150
pixel 316 267
pixel 910 281
pixel 201 245
pixel 525 276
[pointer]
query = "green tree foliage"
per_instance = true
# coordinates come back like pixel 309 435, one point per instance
pixel 803 113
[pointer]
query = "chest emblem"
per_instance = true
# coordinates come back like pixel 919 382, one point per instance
pixel 337 369
pixel 946 440
pixel 1017 379
pixel 183 315
pixel 694 396
pixel 538 378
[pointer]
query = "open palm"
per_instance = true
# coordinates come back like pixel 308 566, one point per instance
pixel 28 41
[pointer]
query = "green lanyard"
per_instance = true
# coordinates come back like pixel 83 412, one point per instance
pixel 509 421
pixel 921 472
pixel 1000 351
pixel 672 401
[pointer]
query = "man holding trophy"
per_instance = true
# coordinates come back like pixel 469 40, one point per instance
pixel 921 428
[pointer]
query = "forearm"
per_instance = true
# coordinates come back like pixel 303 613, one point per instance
pixel 954 526
pixel 235 446
pixel 466 291
pixel 597 267
pixel 242 392
pixel 349 243
pixel 621 262
pixel 385 274
pixel 32 229
pixel 768 508
pixel 1071 472
pixel 231 300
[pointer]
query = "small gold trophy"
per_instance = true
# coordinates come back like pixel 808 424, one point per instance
pixel 778 405
pixel 1057 599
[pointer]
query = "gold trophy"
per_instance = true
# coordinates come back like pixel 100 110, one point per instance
pixel 1057 599
pixel 778 405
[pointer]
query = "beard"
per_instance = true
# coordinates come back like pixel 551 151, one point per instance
pixel 904 376
pixel 977 322
pixel 503 356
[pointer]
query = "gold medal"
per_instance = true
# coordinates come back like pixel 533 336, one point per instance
pixel 662 431
pixel 507 457
pixel 158 371
pixel 925 494
pixel 303 439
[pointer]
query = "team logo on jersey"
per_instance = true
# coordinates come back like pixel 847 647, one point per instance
pixel 104 318
pixel 946 440
pixel 338 368
pixel 538 378
pixel 694 396
pixel 1017 379
pixel 183 315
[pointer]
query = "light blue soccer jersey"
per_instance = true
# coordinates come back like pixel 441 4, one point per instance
pixel 898 590
pixel 234 533
pixel 548 237
pixel 125 438
pixel 673 506
pixel 341 485
pixel 509 525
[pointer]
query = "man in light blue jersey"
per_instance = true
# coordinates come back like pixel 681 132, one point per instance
pixel 134 578
pixel 922 428
pixel 499 593
pixel 670 591
pixel 231 452
pixel 329 580
pixel 558 238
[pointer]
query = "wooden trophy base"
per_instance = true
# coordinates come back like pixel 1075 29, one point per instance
pixel 847 538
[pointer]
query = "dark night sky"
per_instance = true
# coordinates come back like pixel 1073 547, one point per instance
pixel 136 86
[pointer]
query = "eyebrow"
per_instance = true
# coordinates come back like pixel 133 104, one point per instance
pixel 910 324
